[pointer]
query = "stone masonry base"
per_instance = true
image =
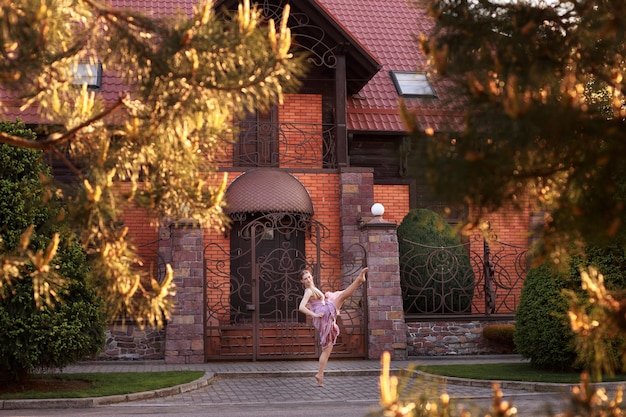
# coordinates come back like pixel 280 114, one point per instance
pixel 427 338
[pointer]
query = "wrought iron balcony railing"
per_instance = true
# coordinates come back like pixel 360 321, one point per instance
pixel 284 145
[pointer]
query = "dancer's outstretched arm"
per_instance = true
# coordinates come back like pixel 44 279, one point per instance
pixel 303 304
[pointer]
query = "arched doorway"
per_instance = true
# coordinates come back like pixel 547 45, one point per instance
pixel 272 238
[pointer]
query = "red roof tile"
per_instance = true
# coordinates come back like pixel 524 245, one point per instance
pixel 385 28
pixel 388 29
pixel 156 8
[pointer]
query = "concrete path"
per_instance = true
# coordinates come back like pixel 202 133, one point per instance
pixel 283 382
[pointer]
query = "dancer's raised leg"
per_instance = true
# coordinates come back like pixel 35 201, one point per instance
pixel 342 296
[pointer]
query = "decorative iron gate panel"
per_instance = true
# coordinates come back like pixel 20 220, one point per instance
pixel 474 278
pixel 253 290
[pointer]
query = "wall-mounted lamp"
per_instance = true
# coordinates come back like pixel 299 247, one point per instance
pixel 377 210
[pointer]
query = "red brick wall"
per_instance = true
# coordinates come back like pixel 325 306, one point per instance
pixel 396 200
pixel 508 236
pixel 300 116
pixel 324 191
pixel 144 236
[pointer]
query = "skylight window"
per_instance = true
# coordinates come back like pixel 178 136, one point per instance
pixel 88 73
pixel 412 84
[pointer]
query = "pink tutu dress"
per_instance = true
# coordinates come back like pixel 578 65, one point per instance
pixel 326 325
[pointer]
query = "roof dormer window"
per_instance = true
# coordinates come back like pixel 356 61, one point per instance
pixel 412 84
pixel 88 73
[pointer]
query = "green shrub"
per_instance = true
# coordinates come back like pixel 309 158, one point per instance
pixel 52 336
pixel 436 274
pixel 542 329
pixel 500 336
pixel 542 332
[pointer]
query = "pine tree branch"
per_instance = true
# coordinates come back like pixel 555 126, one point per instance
pixel 57 138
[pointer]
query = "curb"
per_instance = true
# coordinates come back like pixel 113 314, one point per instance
pixel 518 385
pixel 111 399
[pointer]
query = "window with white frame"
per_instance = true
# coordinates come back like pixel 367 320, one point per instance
pixel 412 84
pixel 89 73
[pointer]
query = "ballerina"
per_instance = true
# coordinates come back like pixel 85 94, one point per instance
pixel 323 308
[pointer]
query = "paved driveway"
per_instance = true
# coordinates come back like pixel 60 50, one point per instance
pixel 281 389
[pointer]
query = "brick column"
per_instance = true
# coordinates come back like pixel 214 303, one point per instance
pixel 386 326
pixel 184 336
pixel 356 196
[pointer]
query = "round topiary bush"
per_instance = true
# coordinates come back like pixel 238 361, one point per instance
pixel 542 333
pixel 435 269
pixel 542 329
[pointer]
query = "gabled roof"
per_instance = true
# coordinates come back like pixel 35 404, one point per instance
pixel 382 37
pixel 379 36
pixel 389 30
pixel 314 27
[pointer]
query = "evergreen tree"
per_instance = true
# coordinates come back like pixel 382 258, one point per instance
pixel 542 115
pixel 53 336
pixel 182 79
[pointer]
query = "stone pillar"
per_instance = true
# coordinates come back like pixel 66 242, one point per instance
pixel 386 326
pixel 356 196
pixel 184 336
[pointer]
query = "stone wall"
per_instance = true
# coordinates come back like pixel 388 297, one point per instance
pixel 130 342
pixel 440 338
pixel 433 338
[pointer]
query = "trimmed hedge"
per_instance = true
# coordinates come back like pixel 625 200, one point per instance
pixel 53 336
pixel 501 336
pixel 542 332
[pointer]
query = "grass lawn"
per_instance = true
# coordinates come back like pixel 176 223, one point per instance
pixel 96 384
pixel 508 372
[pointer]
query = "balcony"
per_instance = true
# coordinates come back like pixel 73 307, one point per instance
pixel 280 145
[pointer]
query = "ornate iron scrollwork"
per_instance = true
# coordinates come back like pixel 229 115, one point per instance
pixel 254 289
pixel 433 281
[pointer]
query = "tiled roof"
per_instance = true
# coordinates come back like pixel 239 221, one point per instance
pixel 386 29
pixel 156 8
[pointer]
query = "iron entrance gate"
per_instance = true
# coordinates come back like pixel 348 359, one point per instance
pixel 253 290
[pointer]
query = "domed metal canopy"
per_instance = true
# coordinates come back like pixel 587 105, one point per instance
pixel 267 190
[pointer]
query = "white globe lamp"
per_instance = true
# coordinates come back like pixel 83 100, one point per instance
pixel 377 209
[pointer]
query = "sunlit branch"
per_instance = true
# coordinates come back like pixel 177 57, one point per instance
pixel 57 138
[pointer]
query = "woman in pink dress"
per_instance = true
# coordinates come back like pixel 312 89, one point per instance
pixel 323 308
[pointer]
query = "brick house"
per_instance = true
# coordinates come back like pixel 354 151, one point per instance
pixel 303 177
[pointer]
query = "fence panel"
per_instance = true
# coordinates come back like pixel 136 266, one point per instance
pixel 472 278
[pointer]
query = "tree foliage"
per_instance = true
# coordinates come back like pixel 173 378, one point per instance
pixel 48 336
pixel 541 115
pixel 181 80
pixel 542 106
pixel 544 332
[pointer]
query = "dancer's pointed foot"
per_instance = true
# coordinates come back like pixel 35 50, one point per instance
pixel 320 380
pixel 362 274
